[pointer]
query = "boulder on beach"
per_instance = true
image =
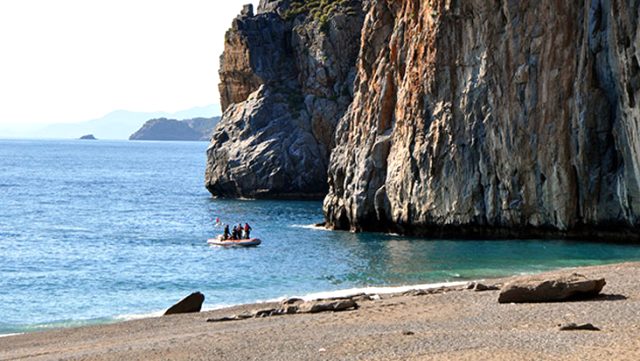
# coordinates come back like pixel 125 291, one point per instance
pixel 189 304
pixel 563 288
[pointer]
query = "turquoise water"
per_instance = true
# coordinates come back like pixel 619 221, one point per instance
pixel 96 231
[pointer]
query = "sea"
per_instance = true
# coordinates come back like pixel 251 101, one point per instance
pixel 103 231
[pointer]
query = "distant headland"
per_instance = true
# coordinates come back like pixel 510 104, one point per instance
pixel 197 129
pixel 88 137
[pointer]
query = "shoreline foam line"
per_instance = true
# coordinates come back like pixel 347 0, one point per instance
pixel 344 293
pixel 11 334
pixel 379 290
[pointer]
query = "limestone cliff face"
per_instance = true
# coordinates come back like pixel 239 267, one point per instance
pixel 492 117
pixel 286 78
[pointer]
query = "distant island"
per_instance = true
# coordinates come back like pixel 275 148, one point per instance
pixel 196 129
pixel 88 137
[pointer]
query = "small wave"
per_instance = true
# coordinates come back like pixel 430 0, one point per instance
pixel 308 297
pixel 11 334
pixel 59 324
pixel 154 314
pixel 309 226
pixel 227 305
pixel 138 316
pixel 69 228
pixel 350 292
pixel 373 290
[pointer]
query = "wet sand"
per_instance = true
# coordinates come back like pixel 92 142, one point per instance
pixel 457 324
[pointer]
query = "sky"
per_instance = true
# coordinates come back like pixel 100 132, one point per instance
pixel 67 61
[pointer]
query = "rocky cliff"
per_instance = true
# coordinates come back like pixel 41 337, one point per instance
pixel 172 129
pixel 492 117
pixel 286 78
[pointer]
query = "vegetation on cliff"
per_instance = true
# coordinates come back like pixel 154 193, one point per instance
pixel 319 10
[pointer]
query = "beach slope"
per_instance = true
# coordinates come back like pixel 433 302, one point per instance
pixel 455 324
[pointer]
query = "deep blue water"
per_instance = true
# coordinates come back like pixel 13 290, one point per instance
pixel 92 231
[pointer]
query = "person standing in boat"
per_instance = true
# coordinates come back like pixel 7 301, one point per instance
pixel 235 233
pixel 240 229
pixel 226 232
pixel 247 231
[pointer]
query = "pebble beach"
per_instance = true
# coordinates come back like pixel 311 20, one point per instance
pixel 453 323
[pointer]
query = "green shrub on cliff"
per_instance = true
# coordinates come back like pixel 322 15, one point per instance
pixel 319 10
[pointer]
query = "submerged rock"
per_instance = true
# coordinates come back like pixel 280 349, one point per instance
pixel 536 289
pixel 189 304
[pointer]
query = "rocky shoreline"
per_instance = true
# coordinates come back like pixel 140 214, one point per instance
pixel 597 233
pixel 439 119
pixel 460 322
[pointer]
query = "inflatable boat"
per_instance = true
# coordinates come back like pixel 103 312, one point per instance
pixel 252 242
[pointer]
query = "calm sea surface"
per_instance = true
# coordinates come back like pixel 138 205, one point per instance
pixel 97 231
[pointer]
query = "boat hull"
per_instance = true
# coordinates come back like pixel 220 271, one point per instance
pixel 234 243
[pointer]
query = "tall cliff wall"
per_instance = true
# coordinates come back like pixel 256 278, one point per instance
pixel 492 117
pixel 286 78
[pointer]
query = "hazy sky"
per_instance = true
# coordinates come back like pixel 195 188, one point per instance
pixel 74 60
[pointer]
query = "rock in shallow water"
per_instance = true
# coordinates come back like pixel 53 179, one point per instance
pixel 189 304
pixel 536 289
pixel 284 82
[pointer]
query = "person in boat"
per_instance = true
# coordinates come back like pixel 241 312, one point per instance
pixel 226 232
pixel 234 233
pixel 240 230
pixel 247 230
